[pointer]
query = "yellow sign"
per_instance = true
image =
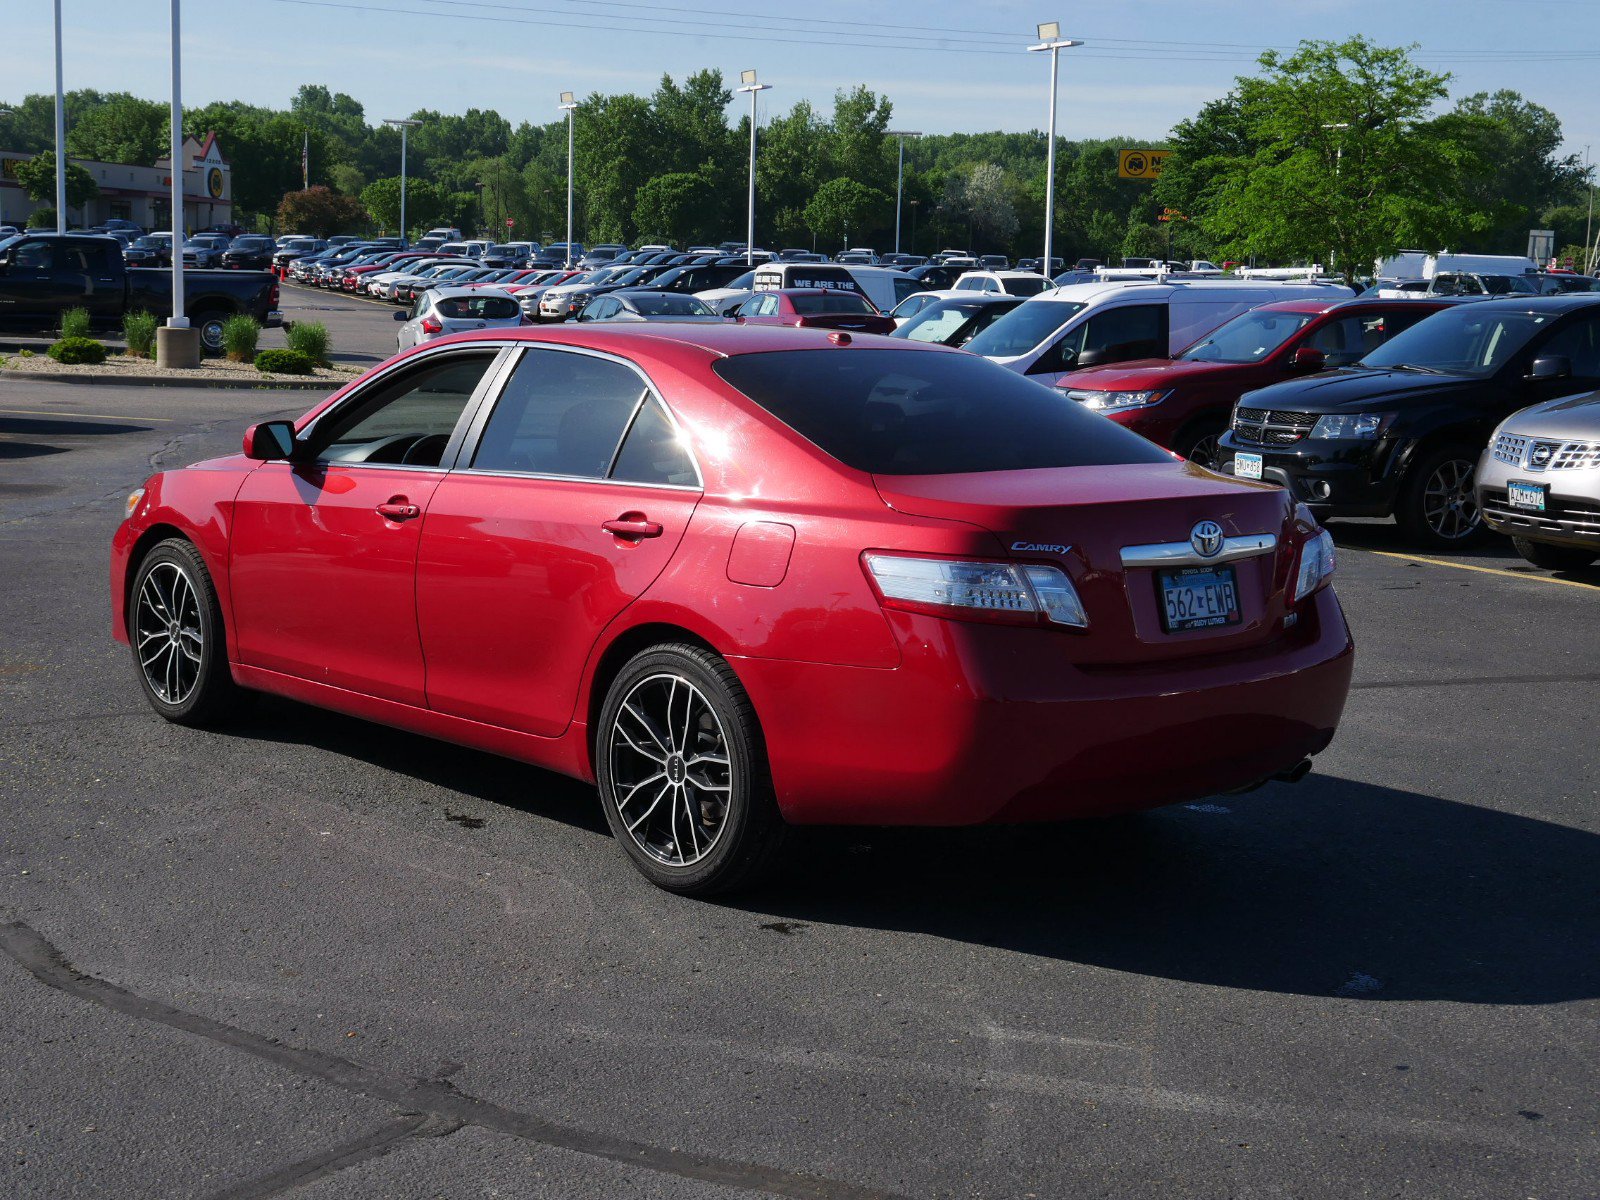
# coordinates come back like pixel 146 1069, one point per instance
pixel 1141 164
pixel 214 183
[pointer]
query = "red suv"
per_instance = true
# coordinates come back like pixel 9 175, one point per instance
pixel 815 308
pixel 1184 403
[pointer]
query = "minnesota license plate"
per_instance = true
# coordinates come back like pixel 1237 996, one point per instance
pixel 1526 495
pixel 1247 466
pixel 1197 598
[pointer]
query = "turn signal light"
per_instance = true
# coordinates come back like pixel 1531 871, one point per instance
pixel 1316 565
pixel 1005 592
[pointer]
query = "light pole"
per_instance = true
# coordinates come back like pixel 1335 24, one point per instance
pixel 569 105
pixel 1338 164
pixel 748 79
pixel 406 124
pixel 1050 39
pixel 900 179
pixel 61 122
pixel 915 204
pixel 4 112
pixel 177 345
pixel 1588 224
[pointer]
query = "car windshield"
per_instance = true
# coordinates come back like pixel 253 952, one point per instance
pixel 922 412
pixel 939 323
pixel 1470 340
pixel 250 243
pixel 807 304
pixel 668 304
pixel 478 308
pixel 1024 327
pixel 150 243
pixel 1248 338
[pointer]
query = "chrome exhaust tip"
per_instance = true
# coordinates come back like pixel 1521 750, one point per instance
pixel 1295 773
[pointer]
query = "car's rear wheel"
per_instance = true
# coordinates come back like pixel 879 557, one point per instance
pixel 1554 558
pixel 1437 506
pixel 210 323
pixel 175 628
pixel 683 773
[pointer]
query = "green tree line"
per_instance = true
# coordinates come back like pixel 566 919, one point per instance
pixel 1337 152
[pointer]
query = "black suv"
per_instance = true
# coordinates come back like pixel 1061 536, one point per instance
pixel 1400 432
pixel 252 252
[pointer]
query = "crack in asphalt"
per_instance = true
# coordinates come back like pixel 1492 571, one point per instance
pixel 380 1141
pixel 1474 681
pixel 431 1098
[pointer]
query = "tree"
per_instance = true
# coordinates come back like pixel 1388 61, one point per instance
pixel 37 176
pixel 425 204
pixel 320 212
pixel 264 147
pixel 675 207
pixel 1341 160
pixel 988 205
pixel 617 151
pixel 789 168
pixel 122 129
pixel 42 218
pixel 841 205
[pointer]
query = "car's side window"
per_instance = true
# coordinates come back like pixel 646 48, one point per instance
pixel 404 419
pixel 560 414
pixel 652 451
pixel 1579 342
pixel 31 256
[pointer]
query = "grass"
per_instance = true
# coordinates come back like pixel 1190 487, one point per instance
pixel 239 337
pixel 311 339
pixel 139 328
pixel 74 324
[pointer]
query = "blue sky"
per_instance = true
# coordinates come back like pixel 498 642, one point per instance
pixel 948 65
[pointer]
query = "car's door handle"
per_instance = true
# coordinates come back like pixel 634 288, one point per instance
pixel 633 527
pixel 399 509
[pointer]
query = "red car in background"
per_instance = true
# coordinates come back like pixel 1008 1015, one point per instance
pixel 814 308
pixel 1185 403
pixel 746 578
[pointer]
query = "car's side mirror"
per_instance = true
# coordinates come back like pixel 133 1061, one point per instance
pixel 270 441
pixel 1550 366
pixel 402 315
pixel 1092 357
pixel 1308 359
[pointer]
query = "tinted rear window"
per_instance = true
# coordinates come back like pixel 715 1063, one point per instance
pixel 909 412
pixel 480 308
pixel 829 302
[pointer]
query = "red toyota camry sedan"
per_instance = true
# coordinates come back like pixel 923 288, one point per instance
pixel 744 579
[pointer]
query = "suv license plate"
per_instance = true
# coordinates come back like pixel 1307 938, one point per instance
pixel 1247 466
pixel 1197 598
pixel 1526 495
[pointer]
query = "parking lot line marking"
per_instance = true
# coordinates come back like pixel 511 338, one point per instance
pixel 1444 562
pixel 67 412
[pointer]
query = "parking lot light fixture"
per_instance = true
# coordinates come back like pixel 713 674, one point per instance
pixel 179 318
pixel 61 123
pixel 405 124
pixel 748 80
pixel 1050 39
pixel 900 179
pixel 569 105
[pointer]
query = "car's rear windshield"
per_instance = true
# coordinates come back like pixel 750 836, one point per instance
pixel 808 304
pixel 914 412
pixel 1021 286
pixel 479 308
pixel 1024 327
pixel 669 304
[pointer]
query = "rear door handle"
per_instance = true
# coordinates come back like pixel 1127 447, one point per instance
pixel 633 528
pixel 399 509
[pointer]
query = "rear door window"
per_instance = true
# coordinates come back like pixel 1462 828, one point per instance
pixel 562 414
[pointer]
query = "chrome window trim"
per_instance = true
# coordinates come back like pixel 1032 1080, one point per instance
pixel 474 433
pixel 1182 554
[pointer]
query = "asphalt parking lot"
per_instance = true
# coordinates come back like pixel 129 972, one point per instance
pixel 316 957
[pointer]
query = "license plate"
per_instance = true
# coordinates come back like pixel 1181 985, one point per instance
pixel 1526 495
pixel 1197 598
pixel 1247 466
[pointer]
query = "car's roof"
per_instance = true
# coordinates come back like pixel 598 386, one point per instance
pixel 1560 303
pixel 468 293
pixel 1319 305
pixel 723 339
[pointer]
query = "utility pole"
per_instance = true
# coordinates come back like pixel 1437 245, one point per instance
pixel 570 105
pixel 61 121
pixel 1050 39
pixel 748 79
pixel 900 179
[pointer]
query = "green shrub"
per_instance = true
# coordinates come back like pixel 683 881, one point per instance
pixel 42 218
pixel 139 328
pixel 74 324
pixel 239 337
pixel 284 362
pixel 26 354
pixel 311 339
pixel 77 350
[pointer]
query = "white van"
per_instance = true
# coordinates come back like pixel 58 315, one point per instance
pixel 1086 324
pixel 1417 264
pixel 883 286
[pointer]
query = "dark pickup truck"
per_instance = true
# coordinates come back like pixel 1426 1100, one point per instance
pixel 44 274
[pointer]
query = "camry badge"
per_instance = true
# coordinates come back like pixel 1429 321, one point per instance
pixel 1206 538
pixel 1038 548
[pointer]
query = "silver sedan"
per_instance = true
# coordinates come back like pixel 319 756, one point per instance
pixel 443 311
pixel 1539 482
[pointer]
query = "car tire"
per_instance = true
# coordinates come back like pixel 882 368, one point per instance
pixel 209 324
pixel 1554 558
pixel 176 632
pixel 706 761
pixel 1436 507
pixel 1199 443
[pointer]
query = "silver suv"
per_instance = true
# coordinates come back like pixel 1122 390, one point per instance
pixel 1539 482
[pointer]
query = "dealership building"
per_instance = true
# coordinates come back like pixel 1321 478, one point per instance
pixel 135 193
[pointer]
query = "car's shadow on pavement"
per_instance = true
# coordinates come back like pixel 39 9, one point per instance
pixel 1331 887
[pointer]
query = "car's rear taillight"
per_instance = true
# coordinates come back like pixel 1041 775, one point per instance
pixel 1316 564
pixel 430 325
pixel 976 590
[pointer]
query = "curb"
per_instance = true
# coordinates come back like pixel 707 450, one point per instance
pixel 283 385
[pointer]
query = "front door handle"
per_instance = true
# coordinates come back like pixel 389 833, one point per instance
pixel 633 526
pixel 399 509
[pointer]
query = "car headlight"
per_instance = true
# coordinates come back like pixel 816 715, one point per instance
pixel 1316 564
pixel 1113 401
pixel 1351 425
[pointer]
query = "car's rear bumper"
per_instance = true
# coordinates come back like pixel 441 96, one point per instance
pixel 976 726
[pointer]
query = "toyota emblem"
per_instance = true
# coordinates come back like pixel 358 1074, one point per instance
pixel 1206 538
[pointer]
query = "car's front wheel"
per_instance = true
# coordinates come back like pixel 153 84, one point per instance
pixel 1437 507
pixel 1554 558
pixel 175 628
pixel 683 773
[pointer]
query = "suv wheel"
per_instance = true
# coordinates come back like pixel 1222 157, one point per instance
pixel 1554 558
pixel 1437 507
pixel 1200 444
